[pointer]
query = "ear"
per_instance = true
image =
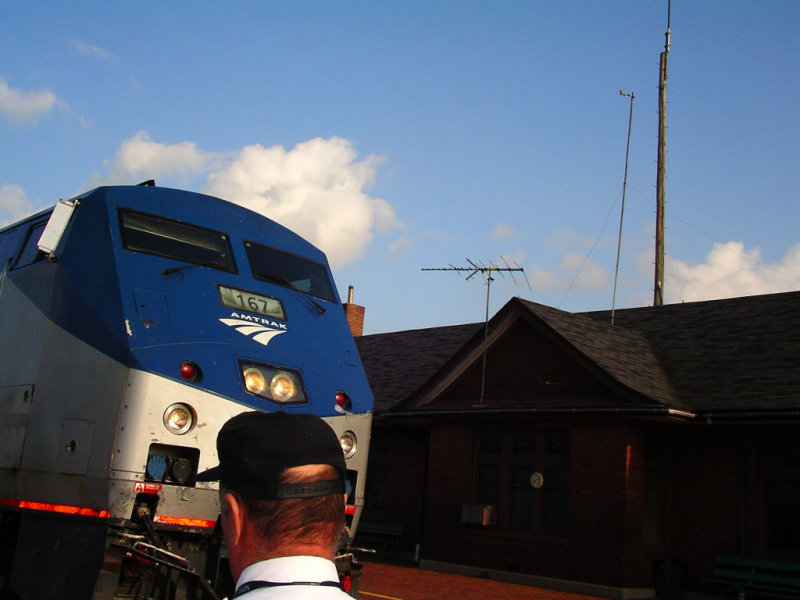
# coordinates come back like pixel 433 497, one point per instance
pixel 232 519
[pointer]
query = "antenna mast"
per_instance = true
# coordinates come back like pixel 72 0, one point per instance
pixel 622 210
pixel 658 288
pixel 482 269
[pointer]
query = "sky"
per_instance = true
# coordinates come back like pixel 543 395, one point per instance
pixel 403 136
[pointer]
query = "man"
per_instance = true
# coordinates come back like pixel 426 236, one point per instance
pixel 282 493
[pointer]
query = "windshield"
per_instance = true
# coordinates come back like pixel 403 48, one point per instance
pixel 152 234
pixel 289 270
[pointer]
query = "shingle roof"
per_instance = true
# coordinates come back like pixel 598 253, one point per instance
pixel 726 355
pixel 718 356
pixel 398 363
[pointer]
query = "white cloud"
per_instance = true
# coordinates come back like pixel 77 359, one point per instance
pixel 575 271
pixel 584 272
pixel 83 49
pixel 317 189
pixel 140 158
pixel 23 107
pixel 503 231
pixel 730 271
pixel 541 280
pixel 14 204
pixel 401 245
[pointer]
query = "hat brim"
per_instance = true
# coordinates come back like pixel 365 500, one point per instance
pixel 211 474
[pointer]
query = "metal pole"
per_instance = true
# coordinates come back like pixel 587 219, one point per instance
pixel 658 287
pixel 489 280
pixel 622 210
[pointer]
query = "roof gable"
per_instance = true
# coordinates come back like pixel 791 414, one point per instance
pixel 624 355
pixel 523 368
pixel 537 356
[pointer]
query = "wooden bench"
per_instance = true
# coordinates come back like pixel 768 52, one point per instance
pixel 383 533
pixel 762 578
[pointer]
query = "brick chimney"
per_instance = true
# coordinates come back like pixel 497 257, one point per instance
pixel 354 314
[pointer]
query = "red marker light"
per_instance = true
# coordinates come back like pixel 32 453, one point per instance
pixel 343 401
pixel 189 371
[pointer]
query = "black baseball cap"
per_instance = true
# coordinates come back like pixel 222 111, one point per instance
pixel 254 448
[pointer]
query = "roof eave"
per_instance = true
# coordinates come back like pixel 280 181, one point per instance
pixel 639 411
pixel 749 417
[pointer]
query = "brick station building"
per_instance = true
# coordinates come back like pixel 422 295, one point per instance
pixel 619 457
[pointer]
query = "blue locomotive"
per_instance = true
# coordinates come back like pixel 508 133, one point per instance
pixel 134 321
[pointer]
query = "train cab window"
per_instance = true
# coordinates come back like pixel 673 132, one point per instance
pixel 152 234
pixel 290 270
pixel 30 251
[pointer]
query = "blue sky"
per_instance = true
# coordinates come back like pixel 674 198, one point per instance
pixel 405 135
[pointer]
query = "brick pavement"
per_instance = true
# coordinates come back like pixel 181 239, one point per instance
pixel 392 582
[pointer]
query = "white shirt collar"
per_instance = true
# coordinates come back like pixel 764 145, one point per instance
pixel 287 569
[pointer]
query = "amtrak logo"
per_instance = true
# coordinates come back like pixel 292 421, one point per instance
pixel 257 329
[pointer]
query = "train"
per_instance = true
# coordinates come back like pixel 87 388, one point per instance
pixel 134 321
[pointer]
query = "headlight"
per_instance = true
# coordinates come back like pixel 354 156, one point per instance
pixel 282 388
pixel 179 418
pixel 254 381
pixel 279 385
pixel 348 442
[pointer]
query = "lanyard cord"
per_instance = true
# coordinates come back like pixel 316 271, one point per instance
pixel 255 585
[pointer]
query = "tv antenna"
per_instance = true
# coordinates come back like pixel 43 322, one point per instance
pixel 473 269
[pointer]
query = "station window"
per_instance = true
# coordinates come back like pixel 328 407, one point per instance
pixel 153 234
pixel 525 476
